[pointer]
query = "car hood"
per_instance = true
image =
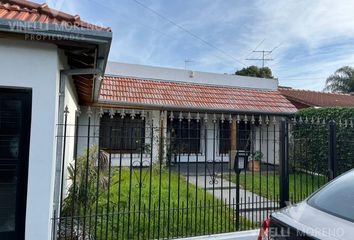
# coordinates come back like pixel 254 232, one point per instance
pixel 314 222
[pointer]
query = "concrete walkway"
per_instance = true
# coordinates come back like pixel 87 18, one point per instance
pixel 252 206
pixel 243 235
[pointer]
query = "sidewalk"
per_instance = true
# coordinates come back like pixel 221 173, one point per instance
pixel 243 235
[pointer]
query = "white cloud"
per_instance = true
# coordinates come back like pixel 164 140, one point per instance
pixel 311 21
pixel 315 36
pixel 304 28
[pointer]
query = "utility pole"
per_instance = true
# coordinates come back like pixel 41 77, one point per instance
pixel 263 59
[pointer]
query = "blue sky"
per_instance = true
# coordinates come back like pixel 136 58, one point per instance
pixel 312 38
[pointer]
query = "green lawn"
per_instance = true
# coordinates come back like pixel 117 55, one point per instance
pixel 154 213
pixel 150 202
pixel 267 185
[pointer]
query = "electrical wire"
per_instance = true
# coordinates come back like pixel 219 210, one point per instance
pixel 189 32
pixel 252 51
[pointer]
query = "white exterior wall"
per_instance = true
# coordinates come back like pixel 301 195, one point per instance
pixel 264 139
pixel 36 66
pixel 71 102
pixel 83 131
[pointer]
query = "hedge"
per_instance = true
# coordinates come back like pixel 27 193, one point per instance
pixel 310 134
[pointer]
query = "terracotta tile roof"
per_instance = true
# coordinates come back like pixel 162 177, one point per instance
pixel 29 11
pixel 319 99
pixel 124 90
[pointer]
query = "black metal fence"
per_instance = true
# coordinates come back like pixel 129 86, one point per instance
pixel 132 176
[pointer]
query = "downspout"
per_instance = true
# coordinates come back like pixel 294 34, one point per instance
pixel 162 151
pixel 161 139
pixel 59 143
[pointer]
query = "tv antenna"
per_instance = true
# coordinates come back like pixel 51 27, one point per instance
pixel 186 62
pixel 263 58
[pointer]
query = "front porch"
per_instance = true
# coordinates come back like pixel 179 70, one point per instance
pixel 154 185
pixel 135 136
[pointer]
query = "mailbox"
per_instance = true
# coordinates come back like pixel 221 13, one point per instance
pixel 241 159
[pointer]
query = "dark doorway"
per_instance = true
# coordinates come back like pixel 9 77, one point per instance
pixel 15 122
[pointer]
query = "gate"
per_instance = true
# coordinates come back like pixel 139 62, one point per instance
pixel 131 175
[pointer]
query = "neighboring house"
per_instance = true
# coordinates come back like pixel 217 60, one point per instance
pixel 192 108
pixel 49 60
pixel 306 98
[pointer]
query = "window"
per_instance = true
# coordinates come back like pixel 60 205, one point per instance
pixel 122 134
pixel 185 136
pixel 224 137
pixel 243 136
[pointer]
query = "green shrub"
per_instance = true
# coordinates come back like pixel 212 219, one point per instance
pixel 132 197
pixel 84 178
pixel 310 145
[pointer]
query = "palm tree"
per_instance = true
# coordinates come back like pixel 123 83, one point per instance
pixel 341 81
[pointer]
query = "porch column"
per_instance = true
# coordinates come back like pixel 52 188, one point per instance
pixel 156 134
pixel 233 136
pixel 163 134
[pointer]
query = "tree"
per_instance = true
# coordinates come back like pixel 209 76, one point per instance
pixel 341 81
pixel 254 71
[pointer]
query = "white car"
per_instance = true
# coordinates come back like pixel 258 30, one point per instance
pixel 326 214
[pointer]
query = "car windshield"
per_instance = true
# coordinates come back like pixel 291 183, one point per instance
pixel 337 198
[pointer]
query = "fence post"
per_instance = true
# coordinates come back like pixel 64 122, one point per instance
pixel 284 163
pixel 54 225
pixel 237 195
pixel 332 158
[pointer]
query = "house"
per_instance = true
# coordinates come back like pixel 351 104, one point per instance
pixel 197 115
pixel 53 67
pixel 306 98
pixel 49 59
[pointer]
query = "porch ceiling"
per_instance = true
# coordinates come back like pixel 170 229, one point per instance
pixel 164 94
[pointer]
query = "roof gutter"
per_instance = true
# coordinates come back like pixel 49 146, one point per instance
pixel 61 32
pixel 186 108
